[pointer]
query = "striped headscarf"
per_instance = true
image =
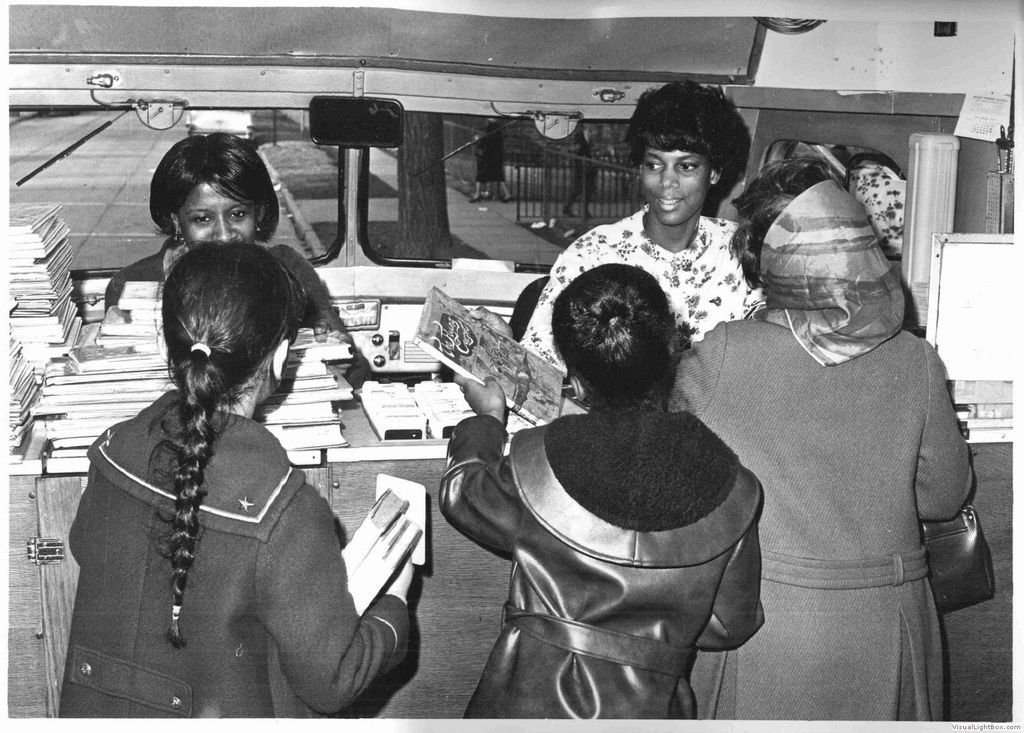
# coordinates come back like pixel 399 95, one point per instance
pixel 826 279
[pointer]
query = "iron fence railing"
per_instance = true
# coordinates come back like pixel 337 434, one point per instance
pixel 547 178
pixel 556 184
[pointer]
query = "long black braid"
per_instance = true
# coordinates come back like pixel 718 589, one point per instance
pixel 225 310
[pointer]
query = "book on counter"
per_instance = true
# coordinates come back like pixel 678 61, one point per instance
pixel 141 295
pixel 29 219
pixel 325 348
pixel 24 392
pixel 45 319
pixel 532 386
pixel 121 326
pixel 115 369
pixel 100 358
pixel 319 436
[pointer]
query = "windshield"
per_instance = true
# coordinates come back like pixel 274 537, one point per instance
pixel 494 188
pixel 460 186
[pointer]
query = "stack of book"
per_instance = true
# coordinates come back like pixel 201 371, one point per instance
pixel 23 395
pixel 116 369
pixel 45 322
pixel 985 409
pixel 301 413
pixel 135 320
pixel 94 387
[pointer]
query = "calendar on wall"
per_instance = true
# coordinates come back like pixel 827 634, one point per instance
pixel 984 116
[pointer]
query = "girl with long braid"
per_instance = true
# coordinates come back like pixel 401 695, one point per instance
pixel 212 581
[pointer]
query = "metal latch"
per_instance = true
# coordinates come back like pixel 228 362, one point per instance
pixel 44 551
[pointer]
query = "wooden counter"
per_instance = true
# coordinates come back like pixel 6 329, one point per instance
pixel 458 596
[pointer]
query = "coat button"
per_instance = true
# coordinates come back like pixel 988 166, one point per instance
pixel 85 669
pixel 176 702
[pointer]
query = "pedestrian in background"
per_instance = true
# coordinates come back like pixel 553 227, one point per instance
pixel 584 174
pixel 490 163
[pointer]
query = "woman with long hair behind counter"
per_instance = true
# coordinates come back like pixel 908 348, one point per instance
pixel 216 189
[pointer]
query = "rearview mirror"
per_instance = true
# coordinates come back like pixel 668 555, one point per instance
pixel 356 122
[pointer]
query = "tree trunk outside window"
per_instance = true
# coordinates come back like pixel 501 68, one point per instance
pixel 422 190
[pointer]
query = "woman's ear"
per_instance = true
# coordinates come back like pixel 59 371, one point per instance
pixel 161 343
pixel 280 357
pixel 578 387
pixel 716 176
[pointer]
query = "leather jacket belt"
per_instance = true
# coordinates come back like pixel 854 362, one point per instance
pixel 894 569
pixel 612 646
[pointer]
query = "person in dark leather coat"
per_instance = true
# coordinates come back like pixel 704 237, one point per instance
pixel 632 531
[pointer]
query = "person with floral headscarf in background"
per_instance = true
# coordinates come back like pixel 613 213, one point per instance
pixel 848 422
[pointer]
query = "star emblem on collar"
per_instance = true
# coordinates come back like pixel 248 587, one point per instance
pixel 246 504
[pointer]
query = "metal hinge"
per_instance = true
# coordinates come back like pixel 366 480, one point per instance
pixel 44 551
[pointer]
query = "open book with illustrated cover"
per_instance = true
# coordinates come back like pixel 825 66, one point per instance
pixel 532 386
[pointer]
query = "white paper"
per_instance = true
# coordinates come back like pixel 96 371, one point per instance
pixel 982 115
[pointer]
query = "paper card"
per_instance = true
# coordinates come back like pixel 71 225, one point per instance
pixel 982 116
pixel 416 495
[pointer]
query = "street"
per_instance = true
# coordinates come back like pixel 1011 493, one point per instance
pixel 103 186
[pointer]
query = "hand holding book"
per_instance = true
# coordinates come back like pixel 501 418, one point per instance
pixel 485 399
pixel 403 579
pixel 390 537
pixel 382 543
pixel 492 320
pixel 465 341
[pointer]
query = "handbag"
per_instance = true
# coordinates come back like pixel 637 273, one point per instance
pixel 959 561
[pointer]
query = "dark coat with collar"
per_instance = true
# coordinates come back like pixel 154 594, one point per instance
pixel 634 541
pixel 267 616
pixel 850 457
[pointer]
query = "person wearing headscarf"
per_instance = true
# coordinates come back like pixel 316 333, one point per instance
pixel 848 422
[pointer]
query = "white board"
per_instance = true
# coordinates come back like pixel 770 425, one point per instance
pixel 973 299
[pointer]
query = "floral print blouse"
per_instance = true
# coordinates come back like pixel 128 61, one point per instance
pixel 704 283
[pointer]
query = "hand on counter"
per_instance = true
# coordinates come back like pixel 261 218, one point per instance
pixel 322 332
pixel 360 370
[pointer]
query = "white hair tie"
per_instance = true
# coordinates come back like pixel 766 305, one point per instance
pixel 200 346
